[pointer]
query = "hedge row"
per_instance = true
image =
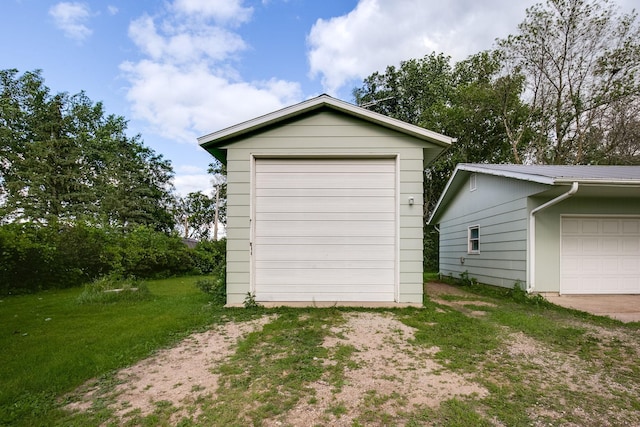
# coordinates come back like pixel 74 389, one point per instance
pixel 34 258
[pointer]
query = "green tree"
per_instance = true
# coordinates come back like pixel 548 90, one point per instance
pixel 136 185
pixel 200 216
pixel 417 92
pixel 473 101
pixel 581 64
pixel 196 212
pixel 219 181
pixel 62 159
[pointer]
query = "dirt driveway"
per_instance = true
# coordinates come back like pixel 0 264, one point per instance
pixel 377 370
pixel 185 374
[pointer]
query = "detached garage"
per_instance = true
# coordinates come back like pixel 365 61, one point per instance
pixel 324 204
pixel 553 229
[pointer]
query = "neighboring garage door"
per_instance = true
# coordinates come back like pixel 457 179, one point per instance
pixel 325 229
pixel 600 255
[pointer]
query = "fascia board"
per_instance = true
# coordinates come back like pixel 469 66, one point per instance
pixel 318 102
pixel 258 122
pixel 488 170
pixel 603 182
pixel 445 194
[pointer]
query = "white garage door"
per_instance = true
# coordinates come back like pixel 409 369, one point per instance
pixel 325 230
pixel 600 256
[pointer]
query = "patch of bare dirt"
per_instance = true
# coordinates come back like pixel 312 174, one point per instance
pixel 437 289
pixel 391 376
pixel 387 374
pixel 179 375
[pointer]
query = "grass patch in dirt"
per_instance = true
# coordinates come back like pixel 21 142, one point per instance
pixel 462 340
pixel 271 369
pixel 548 365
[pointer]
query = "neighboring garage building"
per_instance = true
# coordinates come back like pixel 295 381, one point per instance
pixel 324 203
pixel 556 229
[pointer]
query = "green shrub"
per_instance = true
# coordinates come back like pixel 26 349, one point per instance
pixel 215 287
pixel 35 257
pixel 466 280
pixel 84 253
pixel 209 256
pixel 113 288
pixel 26 259
pixel 250 301
pixel 147 253
pixel 520 295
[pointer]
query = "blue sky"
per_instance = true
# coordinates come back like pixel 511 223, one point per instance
pixel 179 69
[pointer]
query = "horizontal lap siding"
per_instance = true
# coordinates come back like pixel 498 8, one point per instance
pixel 238 234
pixel 499 207
pixel 328 135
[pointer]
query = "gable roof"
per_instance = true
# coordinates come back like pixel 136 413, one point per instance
pixel 543 174
pixel 212 141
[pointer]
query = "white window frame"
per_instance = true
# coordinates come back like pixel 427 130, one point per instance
pixel 473 182
pixel 471 240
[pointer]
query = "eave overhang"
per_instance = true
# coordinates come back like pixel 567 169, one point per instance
pixel 213 142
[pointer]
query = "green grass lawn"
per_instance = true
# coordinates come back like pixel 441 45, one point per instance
pixel 51 344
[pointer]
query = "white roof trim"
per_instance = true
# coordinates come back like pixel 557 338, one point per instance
pixel 507 174
pixel 489 169
pixel 554 177
pixel 444 193
pixel 318 102
pixel 598 181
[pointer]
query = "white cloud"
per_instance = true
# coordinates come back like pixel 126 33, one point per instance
pixel 184 102
pixel 187 85
pixel 186 183
pixel 113 10
pixel 377 33
pixel 178 44
pixel 71 19
pixel 229 12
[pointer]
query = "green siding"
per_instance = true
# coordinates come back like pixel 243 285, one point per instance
pixel 548 230
pixel 499 207
pixel 328 134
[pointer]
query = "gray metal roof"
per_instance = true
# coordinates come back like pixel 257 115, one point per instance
pixel 552 174
pixel 594 176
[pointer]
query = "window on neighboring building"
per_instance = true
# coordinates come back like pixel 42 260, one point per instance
pixel 474 239
pixel 472 182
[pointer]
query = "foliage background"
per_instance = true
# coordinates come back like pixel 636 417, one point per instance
pixel 33 257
